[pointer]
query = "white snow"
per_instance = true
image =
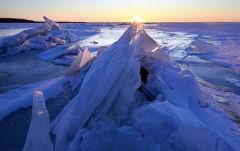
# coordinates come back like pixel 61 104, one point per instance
pixel 106 37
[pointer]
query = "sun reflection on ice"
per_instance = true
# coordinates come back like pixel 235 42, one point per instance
pixel 138 22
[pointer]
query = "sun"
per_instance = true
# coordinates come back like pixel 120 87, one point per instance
pixel 138 19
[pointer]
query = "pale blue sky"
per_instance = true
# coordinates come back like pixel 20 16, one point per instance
pixel 123 10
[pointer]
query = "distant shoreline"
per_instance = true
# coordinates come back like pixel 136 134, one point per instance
pixel 15 20
pixel 19 20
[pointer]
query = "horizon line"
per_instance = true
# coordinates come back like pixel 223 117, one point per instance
pixel 62 21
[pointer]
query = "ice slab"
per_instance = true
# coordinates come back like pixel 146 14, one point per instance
pixel 38 138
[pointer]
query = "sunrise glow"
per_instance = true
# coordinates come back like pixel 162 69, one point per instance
pixel 138 19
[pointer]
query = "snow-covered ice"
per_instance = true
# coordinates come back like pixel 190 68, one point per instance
pixel 50 34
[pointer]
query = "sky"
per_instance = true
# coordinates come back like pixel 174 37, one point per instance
pixel 123 10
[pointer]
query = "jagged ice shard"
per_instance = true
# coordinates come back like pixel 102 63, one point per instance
pixel 81 60
pixel 134 98
pixel 118 65
pixel 38 138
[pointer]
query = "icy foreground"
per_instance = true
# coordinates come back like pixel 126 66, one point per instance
pixel 132 97
pixel 38 138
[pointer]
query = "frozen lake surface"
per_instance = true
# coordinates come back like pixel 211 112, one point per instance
pixel 24 69
pixel 211 51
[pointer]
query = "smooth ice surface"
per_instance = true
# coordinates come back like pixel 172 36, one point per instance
pixel 23 69
pixel 22 97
